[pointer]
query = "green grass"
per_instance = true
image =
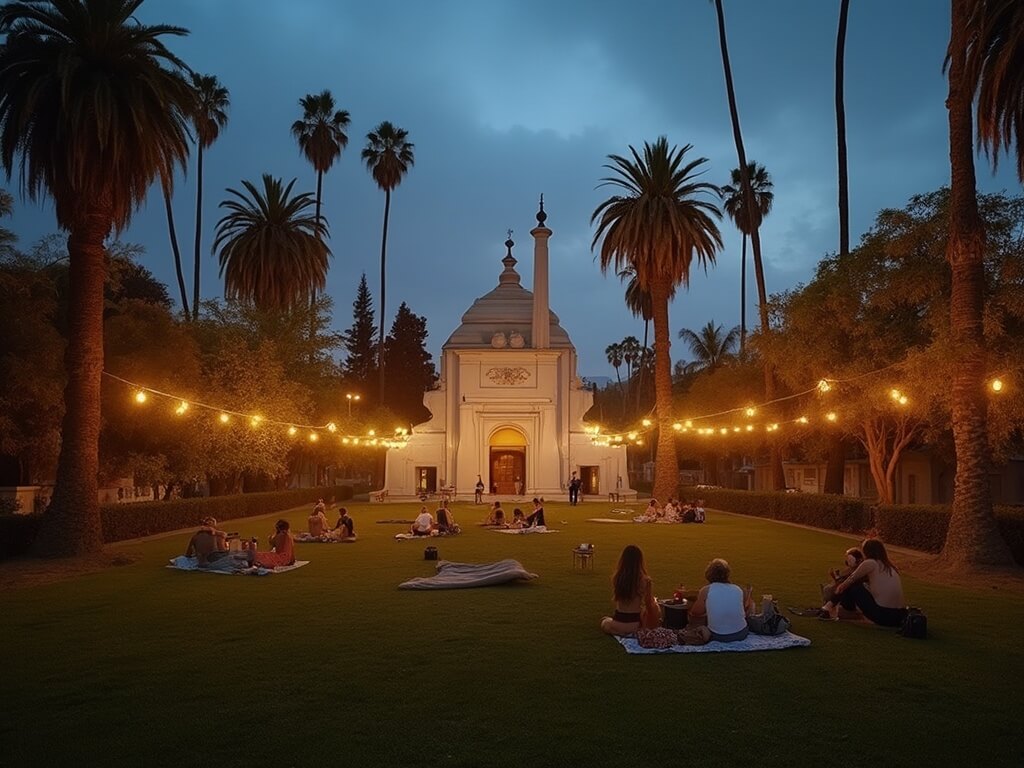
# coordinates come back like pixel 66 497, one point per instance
pixel 332 664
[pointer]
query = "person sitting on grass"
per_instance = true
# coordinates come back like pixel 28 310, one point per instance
pixel 851 560
pixel 536 518
pixel 318 525
pixel 282 548
pixel 518 518
pixel 496 515
pixel 725 606
pixel 874 588
pixel 345 530
pixel 423 525
pixel 208 545
pixel 446 521
pixel 652 513
pixel 633 596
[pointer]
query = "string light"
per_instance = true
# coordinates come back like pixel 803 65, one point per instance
pixel 182 407
pixel 313 437
pixel 824 386
pixel 292 431
pixel 831 416
pixel 646 422
pixel 140 397
pixel 224 418
pixel 255 421
pixel 332 427
pixel 803 420
pixel 997 385
pixel 750 411
pixel 678 426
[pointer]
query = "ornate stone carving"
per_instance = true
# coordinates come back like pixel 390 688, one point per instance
pixel 509 377
pixel 498 340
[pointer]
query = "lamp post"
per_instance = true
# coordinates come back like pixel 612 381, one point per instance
pixel 350 397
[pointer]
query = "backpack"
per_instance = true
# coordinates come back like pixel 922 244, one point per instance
pixel 771 622
pixel 915 625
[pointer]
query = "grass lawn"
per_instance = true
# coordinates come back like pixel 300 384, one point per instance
pixel 331 664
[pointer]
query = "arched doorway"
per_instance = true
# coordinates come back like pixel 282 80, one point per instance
pixel 507 462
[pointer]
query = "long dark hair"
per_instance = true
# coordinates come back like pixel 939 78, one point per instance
pixel 874 549
pixel 629 575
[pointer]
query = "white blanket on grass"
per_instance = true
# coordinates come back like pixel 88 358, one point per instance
pixel 608 520
pixel 751 643
pixel 407 535
pixel 230 567
pixel 452 575
pixel 532 529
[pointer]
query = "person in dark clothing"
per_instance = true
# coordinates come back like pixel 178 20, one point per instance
pixel 536 518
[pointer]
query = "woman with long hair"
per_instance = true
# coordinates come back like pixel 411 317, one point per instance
pixel 633 596
pixel 282 545
pixel 874 588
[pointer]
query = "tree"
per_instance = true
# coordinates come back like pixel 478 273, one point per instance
pixel 638 301
pixel 209 117
pixel 93 109
pixel 735 208
pixel 361 362
pixel 710 347
pixel 165 188
pixel 272 252
pixel 844 180
pixel 321 135
pixel 976 60
pixel 388 155
pixel 412 369
pixel 614 354
pixel 778 477
pixel 658 225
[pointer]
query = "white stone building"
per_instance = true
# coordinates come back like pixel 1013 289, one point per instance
pixel 509 405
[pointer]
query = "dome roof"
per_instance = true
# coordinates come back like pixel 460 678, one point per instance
pixel 506 309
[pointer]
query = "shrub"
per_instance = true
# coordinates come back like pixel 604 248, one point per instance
pixel 838 513
pixel 920 526
pixel 17 532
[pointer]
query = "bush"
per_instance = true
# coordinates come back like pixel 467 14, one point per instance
pixel 17 532
pixel 838 513
pixel 920 526
pixel 131 521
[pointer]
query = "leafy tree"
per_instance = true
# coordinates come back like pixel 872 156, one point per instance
pixel 658 225
pixel 360 365
pixel 272 251
pixel 209 117
pixel 388 155
pixel 710 347
pixel 411 370
pixel 93 109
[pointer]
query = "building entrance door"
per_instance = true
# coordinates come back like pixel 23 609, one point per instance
pixel 508 468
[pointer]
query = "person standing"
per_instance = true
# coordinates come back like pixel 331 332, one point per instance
pixel 478 497
pixel 574 490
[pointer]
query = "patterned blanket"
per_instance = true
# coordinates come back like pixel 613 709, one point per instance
pixel 751 643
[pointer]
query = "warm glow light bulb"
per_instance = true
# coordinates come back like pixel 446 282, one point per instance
pixel 345 440
pixel 646 422
pixel 255 421
pixel 224 418
pixel 824 386
pixel 997 385
pixel 735 429
pixel 140 397
pixel 313 437
pixel 688 424
pixel 750 411
pixel 639 442
pixel 292 431
pixel 803 419
pixel 332 427
pixel 182 407
pixel 831 416
pixel 724 431
pixel 371 433
pixel 677 426
pixel 750 427
pixel 895 394
pixel 632 435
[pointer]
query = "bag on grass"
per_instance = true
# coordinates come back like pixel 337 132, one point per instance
pixel 915 624
pixel 771 623
pixel 430 553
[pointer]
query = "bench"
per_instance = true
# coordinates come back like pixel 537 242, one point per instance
pixel 378 496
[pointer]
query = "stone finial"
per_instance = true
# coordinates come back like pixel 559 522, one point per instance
pixel 541 216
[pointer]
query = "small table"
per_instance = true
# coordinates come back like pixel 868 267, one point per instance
pixel 674 615
pixel 584 557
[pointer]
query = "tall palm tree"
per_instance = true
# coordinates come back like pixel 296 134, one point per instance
pixel 735 207
pixel 165 188
pixel 630 354
pixel 658 224
pixel 93 109
pixel 210 116
pixel 388 155
pixel 614 354
pixel 986 47
pixel 321 134
pixel 638 301
pixel 272 249
pixel 710 347
pixel 778 476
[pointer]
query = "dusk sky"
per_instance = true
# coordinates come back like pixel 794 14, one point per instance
pixel 505 100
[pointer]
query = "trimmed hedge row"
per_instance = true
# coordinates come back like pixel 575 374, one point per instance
pixel 131 521
pixel 916 526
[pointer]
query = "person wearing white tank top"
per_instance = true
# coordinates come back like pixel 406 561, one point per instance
pixel 725 605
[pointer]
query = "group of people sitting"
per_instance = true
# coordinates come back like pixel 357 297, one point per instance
pixel 211 548
pixel 674 511
pixel 426 525
pixel 496 517
pixel 319 527
pixel 869 587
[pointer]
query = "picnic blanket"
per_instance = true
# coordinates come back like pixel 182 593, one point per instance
pixel 451 575
pixel 407 535
pixel 182 563
pixel 533 529
pixel 751 643
pixel 306 538
pixel 395 522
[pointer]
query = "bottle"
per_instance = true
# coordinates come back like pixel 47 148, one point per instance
pixel 767 605
pixel 253 545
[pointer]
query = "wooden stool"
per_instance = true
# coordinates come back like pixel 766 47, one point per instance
pixel 584 557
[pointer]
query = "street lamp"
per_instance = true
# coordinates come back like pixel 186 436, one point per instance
pixel 350 397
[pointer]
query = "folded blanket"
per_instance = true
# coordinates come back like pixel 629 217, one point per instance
pixel 407 535
pixel 534 529
pixel 751 643
pixel 230 566
pixel 464 575
pixel 607 520
pixel 395 522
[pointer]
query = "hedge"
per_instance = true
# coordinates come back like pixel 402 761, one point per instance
pixel 915 526
pixel 131 521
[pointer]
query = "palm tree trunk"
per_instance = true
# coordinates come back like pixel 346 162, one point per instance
pixel 778 475
pixel 72 524
pixel 844 181
pixel 743 298
pixel 973 537
pixel 176 251
pixel 666 465
pixel 199 232
pixel 640 378
pixel 312 293
pixel 383 285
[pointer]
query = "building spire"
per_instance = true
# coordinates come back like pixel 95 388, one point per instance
pixel 541 216
pixel 509 275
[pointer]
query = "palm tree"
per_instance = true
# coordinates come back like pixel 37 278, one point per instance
pixel 272 249
pixel 165 187
pixel 658 225
pixel 630 354
pixel 778 476
pixel 734 206
pixel 985 47
pixel 614 354
pixel 711 349
pixel 209 118
pixel 321 135
pixel 388 156
pixel 93 109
